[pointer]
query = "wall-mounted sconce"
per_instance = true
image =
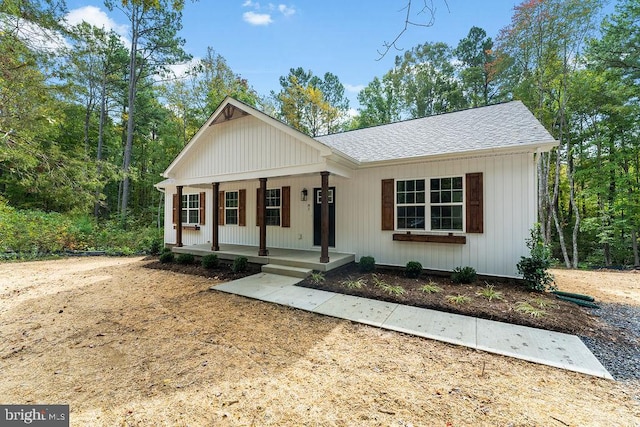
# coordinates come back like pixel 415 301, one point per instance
pixel 303 195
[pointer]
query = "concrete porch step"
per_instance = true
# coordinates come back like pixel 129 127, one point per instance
pixel 286 270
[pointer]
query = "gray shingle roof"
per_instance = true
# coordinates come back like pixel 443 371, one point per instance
pixel 496 126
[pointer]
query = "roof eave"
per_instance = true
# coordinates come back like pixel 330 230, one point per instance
pixel 528 148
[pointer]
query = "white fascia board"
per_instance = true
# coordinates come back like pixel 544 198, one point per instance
pixel 293 171
pixel 529 148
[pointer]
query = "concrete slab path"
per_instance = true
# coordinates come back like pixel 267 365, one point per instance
pixel 555 349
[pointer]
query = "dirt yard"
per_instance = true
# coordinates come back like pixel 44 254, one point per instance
pixel 126 345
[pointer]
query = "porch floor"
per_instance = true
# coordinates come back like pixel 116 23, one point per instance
pixel 289 257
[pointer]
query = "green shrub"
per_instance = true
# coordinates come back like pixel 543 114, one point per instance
pixel 240 264
pixel 317 277
pixel 463 275
pixel 535 268
pixel 155 248
pixel 413 269
pixel 210 261
pixel 367 264
pixel 167 257
pixel 185 259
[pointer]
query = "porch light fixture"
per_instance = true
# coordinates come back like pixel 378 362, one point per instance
pixel 303 195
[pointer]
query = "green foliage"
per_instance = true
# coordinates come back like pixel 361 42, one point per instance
pixel 367 264
pixel 155 248
pixel 167 257
pixel 37 232
pixel 354 284
pixel 535 268
pixel 317 277
pixel 210 261
pixel 430 288
pixel 413 269
pixel 463 275
pixel 313 105
pixel 458 299
pixel 240 264
pixel 386 287
pixel 528 308
pixel 185 259
pixel 490 293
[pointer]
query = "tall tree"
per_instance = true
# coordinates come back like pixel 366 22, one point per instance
pixel 379 102
pixel 427 80
pixel 545 41
pixel 480 67
pixel 154 25
pixel 310 104
pixel 196 95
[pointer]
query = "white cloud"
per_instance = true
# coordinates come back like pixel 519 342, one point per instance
pixel 96 17
pixel 257 18
pixel 353 88
pixel 180 70
pixel 286 10
pixel 249 3
pixel 31 34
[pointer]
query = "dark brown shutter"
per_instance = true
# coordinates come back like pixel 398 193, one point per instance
pixel 203 203
pixel 285 221
pixel 388 205
pixel 242 207
pixel 258 206
pixel 474 205
pixel 176 206
pixel 220 207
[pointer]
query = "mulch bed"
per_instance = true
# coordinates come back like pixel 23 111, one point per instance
pixel 558 315
pixel 222 272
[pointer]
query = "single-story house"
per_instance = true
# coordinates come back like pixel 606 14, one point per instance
pixel 456 189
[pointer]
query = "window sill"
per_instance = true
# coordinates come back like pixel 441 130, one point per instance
pixel 432 238
pixel 194 227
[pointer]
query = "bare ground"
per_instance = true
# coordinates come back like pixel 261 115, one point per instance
pixel 126 345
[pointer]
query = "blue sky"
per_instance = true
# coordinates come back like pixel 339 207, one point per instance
pixel 262 40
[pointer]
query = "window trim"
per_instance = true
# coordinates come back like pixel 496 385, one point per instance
pixel 277 208
pixel 185 211
pixel 427 204
pixel 232 208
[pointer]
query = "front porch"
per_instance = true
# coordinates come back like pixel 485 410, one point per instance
pixel 297 258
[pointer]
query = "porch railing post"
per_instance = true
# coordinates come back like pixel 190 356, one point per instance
pixel 216 217
pixel 179 224
pixel 262 217
pixel 324 218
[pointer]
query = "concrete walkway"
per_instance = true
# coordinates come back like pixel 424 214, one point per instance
pixel 535 345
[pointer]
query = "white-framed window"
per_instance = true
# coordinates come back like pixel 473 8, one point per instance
pixel 446 203
pixel 190 208
pixel 231 203
pixel 274 205
pixel 440 208
pixel 410 202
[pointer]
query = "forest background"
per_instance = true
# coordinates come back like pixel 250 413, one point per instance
pixel 87 126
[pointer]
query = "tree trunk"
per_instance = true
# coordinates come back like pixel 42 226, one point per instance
pixel 103 115
pixel 126 165
pixel 634 245
pixel 554 213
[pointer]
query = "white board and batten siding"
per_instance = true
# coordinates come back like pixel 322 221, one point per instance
pixel 242 147
pixel 509 212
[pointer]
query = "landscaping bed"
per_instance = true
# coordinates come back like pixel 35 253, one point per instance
pixel 494 299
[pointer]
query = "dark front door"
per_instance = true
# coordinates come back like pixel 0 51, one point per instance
pixel 317 201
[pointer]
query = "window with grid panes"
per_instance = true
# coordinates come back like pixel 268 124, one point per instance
pixel 273 207
pixel 410 204
pixel 190 208
pixel 446 199
pixel 231 207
